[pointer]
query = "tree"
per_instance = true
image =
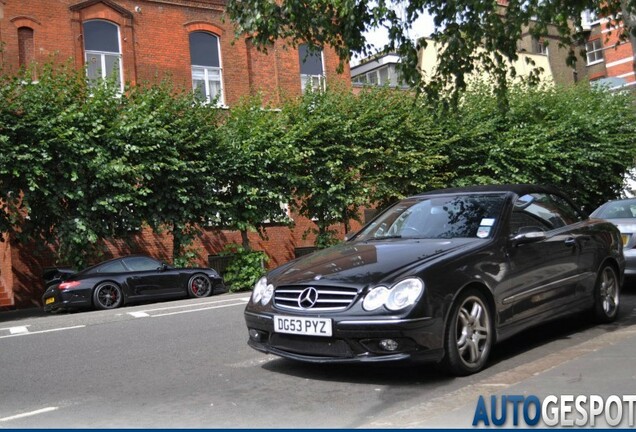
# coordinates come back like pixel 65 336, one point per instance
pixel 461 27
pixel 328 187
pixel 402 145
pixel 577 138
pixel 254 159
pixel 62 181
pixel 172 142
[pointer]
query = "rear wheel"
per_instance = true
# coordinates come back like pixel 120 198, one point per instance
pixel 469 335
pixel 199 285
pixel 606 295
pixel 107 295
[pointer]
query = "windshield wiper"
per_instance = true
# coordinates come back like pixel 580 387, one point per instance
pixel 386 237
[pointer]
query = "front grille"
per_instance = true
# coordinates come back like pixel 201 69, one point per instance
pixel 311 346
pixel 326 298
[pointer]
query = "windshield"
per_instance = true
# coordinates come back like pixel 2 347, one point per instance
pixel 444 217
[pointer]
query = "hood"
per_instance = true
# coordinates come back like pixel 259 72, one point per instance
pixel 360 263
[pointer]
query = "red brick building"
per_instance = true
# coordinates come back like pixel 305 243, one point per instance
pixel 610 60
pixel 139 40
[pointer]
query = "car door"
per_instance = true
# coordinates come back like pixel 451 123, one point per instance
pixel 149 278
pixel 544 273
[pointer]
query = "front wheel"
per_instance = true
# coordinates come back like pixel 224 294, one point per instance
pixel 606 295
pixel 107 295
pixel 199 285
pixel 469 335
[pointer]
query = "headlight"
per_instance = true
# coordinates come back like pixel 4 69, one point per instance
pixel 262 291
pixel 267 294
pixel 375 298
pixel 259 289
pixel 401 295
pixel 404 294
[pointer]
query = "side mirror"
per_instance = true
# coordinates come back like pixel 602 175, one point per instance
pixel 349 236
pixel 163 267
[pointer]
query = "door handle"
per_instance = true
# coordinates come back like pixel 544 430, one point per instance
pixel 570 241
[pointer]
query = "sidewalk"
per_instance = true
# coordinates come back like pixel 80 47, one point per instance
pixel 603 365
pixel 20 314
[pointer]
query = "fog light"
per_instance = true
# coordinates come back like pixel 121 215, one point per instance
pixel 255 335
pixel 388 344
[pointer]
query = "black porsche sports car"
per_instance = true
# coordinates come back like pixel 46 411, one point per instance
pixel 118 281
pixel 441 277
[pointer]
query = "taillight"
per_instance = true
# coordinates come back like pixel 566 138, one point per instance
pixel 67 285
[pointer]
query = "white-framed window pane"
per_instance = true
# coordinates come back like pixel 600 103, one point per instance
pixel 206 83
pixel 205 58
pixel 112 67
pixel 198 85
pixel 384 75
pixel 93 66
pixel 594 51
pixel 316 82
pixel 102 51
pixel 215 89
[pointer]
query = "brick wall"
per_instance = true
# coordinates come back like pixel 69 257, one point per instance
pixel 154 42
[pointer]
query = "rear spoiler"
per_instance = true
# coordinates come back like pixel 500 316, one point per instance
pixel 55 275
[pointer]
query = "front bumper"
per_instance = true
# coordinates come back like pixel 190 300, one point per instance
pixel 353 340
pixel 56 300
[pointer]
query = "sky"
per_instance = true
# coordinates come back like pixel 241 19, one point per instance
pixel 423 26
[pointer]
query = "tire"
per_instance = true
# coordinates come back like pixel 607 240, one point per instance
pixel 469 334
pixel 108 295
pixel 199 285
pixel 606 295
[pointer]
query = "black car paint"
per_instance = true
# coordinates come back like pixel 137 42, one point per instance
pixel 523 288
pixel 164 282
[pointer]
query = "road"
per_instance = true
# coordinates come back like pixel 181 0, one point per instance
pixel 185 364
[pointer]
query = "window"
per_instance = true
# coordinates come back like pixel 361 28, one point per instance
pixel 111 267
pixel 102 52
pixel 589 18
pixel 312 74
pixel 205 58
pixel 25 46
pixel 539 47
pixel 142 264
pixel 594 51
pixel 378 77
pixel 544 212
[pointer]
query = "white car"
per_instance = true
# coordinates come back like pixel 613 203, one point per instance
pixel 622 213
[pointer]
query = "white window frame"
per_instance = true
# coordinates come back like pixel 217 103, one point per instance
pixel 592 53
pixel 101 55
pixel 207 72
pixel 540 47
pixel 318 82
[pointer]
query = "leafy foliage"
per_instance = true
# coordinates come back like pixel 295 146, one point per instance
pixel 244 269
pixel 461 27
pixel 81 164
pixel 579 139
pixel 61 176
pixel 254 158
pixel 172 144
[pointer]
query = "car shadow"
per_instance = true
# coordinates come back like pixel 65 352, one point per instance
pixel 394 373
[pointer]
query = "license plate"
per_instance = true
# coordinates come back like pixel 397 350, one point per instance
pixel 625 238
pixel 49 300
pixel 302 325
